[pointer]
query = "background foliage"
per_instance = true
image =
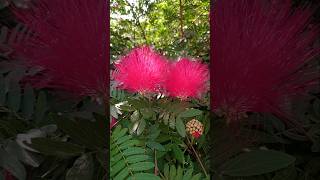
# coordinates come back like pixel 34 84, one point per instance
pixel 175 28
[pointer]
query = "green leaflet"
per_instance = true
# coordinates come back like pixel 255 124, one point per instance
pixel 128 160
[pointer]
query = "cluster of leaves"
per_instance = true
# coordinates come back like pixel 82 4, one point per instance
pixel 267 148
pixel 43 136
pixel 128 158
pixel 36 140
pixel 157 125
pixel 264 149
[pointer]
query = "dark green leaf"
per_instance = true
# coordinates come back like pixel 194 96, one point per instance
pixel 21 154
pixel 83 131
pixel 11 163
pixel 144 176
pixel 117 168
pixel 55 148
pixel 137 158
pixel 14 96
pixel 40 107
pixel 172 122
pixel 179 173
pixel 180 127
pixel 256 162
pixel 166 170
pixel 188 174
pixel 173 172
pixel 155 145
pixel 146 113
pixel 133 150
pixel 178 154
pixel 190 113
pixel 82 169
pixel 122 174
pixel 3 90
pixel 289 173
pixel 28 101
pixel 142 166
pixel 135 116
pixel 141 127
pixel 196 177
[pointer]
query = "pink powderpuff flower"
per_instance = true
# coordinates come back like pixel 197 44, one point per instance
pixel 142 70
pixel 69 42
pixel 261 55
pixel 187 78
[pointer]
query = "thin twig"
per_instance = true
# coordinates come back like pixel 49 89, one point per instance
pixel 198 158
pixel 156 169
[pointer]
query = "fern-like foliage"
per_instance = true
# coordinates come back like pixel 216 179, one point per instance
pixel 174 173
pixel 117 94
pixel 128 160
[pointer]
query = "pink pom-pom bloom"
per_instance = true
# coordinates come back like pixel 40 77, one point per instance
pixel 69 43
pixel 142 70
pixel 260 50
pixel 187 78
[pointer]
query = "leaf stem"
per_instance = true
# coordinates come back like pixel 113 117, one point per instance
pixel 156 169
pixel 198 158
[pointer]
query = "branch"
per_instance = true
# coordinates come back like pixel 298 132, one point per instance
pixel 198 158
pixel 181 19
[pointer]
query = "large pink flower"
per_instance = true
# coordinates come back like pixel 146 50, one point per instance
pixel 260 53
pixel 142 70
pixel 187 78
pixel 69 43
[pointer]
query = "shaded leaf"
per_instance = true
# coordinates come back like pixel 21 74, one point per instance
pixel 155 145
pixel 28 101
pixel 22 155
pixel 144 176
pixel 55 148
pixel 180 127
pixel 178 154
pixel 82 169
pixel 14 96
pixel 3 90
pixel 40 107
pixel 83 131
pixel 141 127
pixel 190 113
pixel 142 166
pixel 256 162
pixel 11 163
